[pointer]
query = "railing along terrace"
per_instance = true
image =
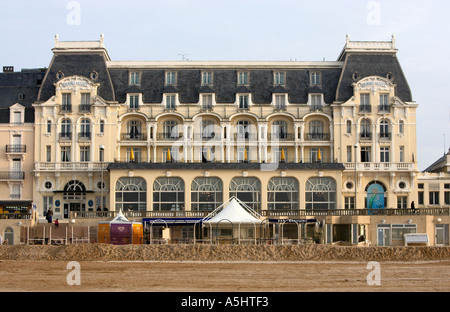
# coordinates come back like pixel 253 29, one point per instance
pixel 438 211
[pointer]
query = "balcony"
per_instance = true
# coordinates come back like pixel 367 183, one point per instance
pixel 386 136
pixel 365 136
pixel 134 136
pixel 16 149
pixel 12 175
pixel 65 136
pixel 265 213
pixel 66 108
pixel 246 136
pixel 317 137
pixel 365 109
pixel 206 136
pixel 70 166
pixel 84 136
pixel 387 166
pixel 383 109
pixel 85 108
pixel 281 137
pixel 169 136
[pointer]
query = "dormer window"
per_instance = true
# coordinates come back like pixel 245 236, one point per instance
pixel 134 101
pixel 315 78
pixel 171 78
pixel 135 79
pixel 243 101
pixel 243 79
pixel 280 101
pixel 279 78
pixel 207 78
pixel 171 101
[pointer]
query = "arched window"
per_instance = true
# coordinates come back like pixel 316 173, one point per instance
pixel 366 131
pixel 134 129
pixel 376 195
pixel 168 194
pixel 316 130
pixel 75 190
pixel 170 130
pixel 282 194
pixel 85 128
pixel 66 129
pixel 131 194
pixel 320 193
pixel 206 193
pixel 384 129
pixel 279 130
pixel 248 190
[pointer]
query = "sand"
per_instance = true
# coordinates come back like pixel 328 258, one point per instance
pixel 223 268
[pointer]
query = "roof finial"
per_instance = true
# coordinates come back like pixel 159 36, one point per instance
pixel 393 41
pixel 56 39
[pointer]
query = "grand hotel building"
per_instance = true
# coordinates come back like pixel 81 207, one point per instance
pixel 329 140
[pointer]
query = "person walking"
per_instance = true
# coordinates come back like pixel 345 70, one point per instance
pixel 49 215
pixel 413 207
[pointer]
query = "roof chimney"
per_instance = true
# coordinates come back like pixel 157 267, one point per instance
pixel 8 69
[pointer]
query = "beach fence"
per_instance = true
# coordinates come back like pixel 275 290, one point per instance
pixel 64 234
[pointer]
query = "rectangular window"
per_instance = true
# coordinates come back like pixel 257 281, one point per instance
pixel 49 126
pixel 135 78
pixel 170 101
pixel 280 101
pixel 85 153
pixel 420 195
pixel 17 117
pixel 365 153
pixel 66 102
pixel 447 198
pixel 402 202
pixel 402 154
pixel 279 78
pixel 136 153
pixel 349 153
pixel 65 153
pixel 171 78
pixel 316 154
pixel 316 102
pixel 207 78
pixel 315 78
pixel 243 101
pixel 85 98
pixel 365 103
pixel 384 103
pixel 173 154
pixel 384 154
pixel 349 202
pixel 243 78
pixel 434 198
pixel 49 153
pixel 102 126
pixel 243 154
pixel 134 101
pixel 207 101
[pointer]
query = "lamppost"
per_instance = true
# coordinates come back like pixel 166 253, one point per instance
pixel 102 156
pixel 356 177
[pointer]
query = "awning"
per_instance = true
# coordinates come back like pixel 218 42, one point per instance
pixel 21 203
pixel 171 221
pixel 292 220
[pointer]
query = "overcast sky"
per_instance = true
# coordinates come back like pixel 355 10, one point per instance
pixel 248 30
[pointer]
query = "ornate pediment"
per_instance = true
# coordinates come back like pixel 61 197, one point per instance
pixel 373 84
pixel 76 83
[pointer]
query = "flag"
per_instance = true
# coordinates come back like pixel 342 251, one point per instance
pixel 131 155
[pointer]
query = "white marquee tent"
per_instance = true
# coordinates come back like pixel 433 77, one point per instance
pixel 236 215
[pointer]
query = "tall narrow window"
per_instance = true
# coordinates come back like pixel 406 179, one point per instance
pixel 365 103
pixel 279 78
pixel 384 154
pixel 65 153
pixel 49 126
pixel 366 131
pixel 365 153
pixel 402 153
pixel 102 126
pixel 243 78
pixel 207 101
pixel 134 101
pixel 243 101
pixel 170 101
pixel 85 153
pixel 349 127
pixel 280 101
pixel 66 102
pixel 384 130
pixel 135 78
pixel 49 153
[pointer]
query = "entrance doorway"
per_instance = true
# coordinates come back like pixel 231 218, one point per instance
pixel 77 207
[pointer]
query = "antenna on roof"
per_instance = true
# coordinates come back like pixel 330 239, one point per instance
pixel 183 57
